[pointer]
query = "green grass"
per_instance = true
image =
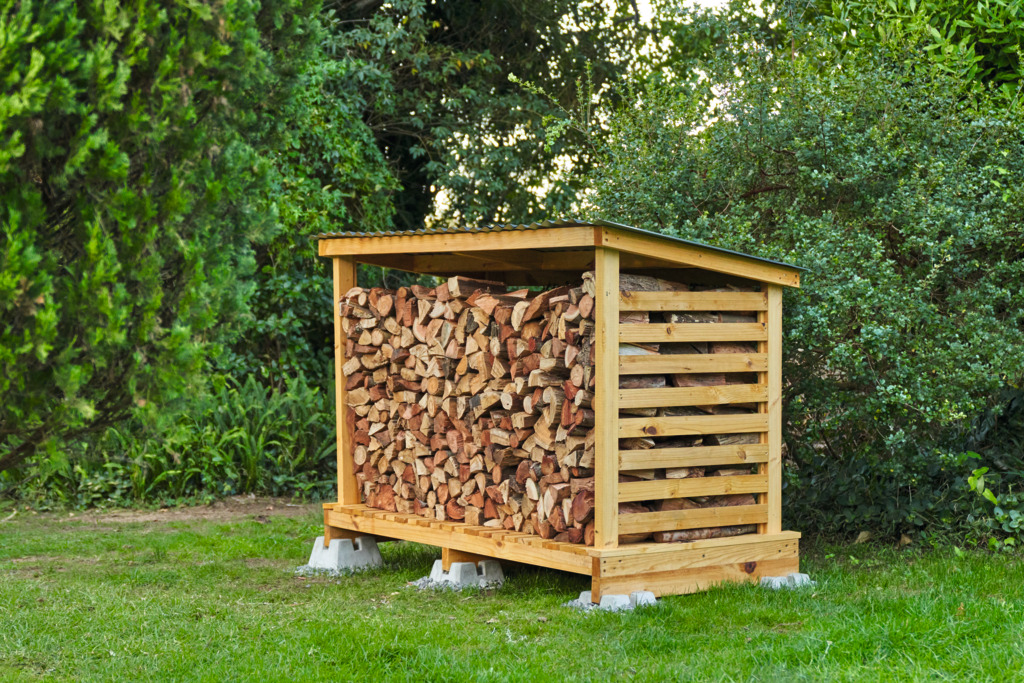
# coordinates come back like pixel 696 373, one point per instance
pixel 217 601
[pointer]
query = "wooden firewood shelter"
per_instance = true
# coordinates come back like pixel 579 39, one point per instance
pixel 553 253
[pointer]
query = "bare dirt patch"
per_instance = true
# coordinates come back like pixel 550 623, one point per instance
pixel 233 509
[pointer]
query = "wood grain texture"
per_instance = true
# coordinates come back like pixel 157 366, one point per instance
pixel 659 489
pixel 693 456
pixel 692 396
pixel 692 519
pixel 690 363
pixel 344 278
pixel 683 581
pixel 701 257
pixel 692 332
pixel 693 301
pixel 606 396
pixel 692 425
pixel 774 408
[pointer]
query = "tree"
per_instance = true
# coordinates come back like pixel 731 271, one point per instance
pixel 133 176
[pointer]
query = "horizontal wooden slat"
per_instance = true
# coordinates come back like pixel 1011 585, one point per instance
pixel 694 456
pixel 693 301
pixel 692 519
pixel 693 363
pixel 632 491
pixel 692 425
pixel 693 332
pixel 692 396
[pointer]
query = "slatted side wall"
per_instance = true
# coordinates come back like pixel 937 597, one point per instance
pixel 695 451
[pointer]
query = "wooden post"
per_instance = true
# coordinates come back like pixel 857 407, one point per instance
pixel 606 399
pixel 774 407
pixel 450 555
pixel 344 280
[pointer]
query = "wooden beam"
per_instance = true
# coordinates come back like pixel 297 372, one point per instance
pixel 348 488
pixel 693 301
pixel 439 243
pixel 658 489
pixel 693 456
pixel 773 468
pixel 679 363
pixel 606 399
pixel 692 425
pixel 692 396
pixel 700 257
pixel 674 520
pixel 496 543
pixel 692 332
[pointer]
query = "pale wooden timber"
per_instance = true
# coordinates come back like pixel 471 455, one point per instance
pixel 689 363
pixel 692 425
pixel 693 332
pixel 673 520
pixel 701 257
pixel 658 489
pixel 693 301
pixel 773 468
pixel 693 456
pixel 692 396
pixel 659 553
pixel 683 581
pixel 542 238
pixel 606 398
pixel 450 555
pixel 344 270
pixel 494 543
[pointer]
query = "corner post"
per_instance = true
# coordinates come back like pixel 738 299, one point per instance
pixel 344 280
pixel 772 318
pixel 606 399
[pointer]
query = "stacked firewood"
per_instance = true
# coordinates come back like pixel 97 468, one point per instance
pixel 473 403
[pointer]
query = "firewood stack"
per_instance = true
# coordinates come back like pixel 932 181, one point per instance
pixel 473 403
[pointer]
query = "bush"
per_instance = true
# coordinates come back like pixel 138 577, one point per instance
pixel 133 182
pixel 902 191
pixel 237 439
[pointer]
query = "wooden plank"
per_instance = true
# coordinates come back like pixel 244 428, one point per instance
pixel 656 549
pixel 659 489
pixel 606 398
pixel 692 396
pixel 773 468
pixel 344 271
pixel 692 363
pixel 692 425
pixel 692 332
pixel 683 581
pixel 693 301
pixel 694 456
pixel 701 257
pixel 541 238
pixel 705 553
pixel 399 527
pixel 692 519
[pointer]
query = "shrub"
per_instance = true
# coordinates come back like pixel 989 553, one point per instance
pixel 902 191
pixel 132 185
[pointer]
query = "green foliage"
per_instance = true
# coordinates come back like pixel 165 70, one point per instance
pixel 132 183
pixel 979 42
pixel 237 439
pixel 902 191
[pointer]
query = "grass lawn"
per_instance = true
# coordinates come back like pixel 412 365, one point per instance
pixel 183 597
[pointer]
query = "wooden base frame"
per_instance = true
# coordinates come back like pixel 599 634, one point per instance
pixel 662 568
